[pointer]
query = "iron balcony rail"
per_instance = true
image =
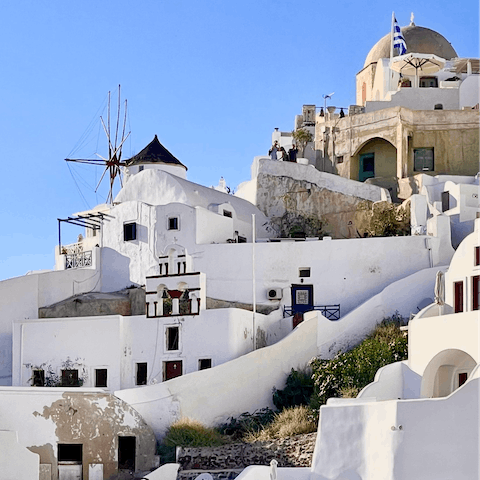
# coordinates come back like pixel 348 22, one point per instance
pixel 78 260
pixel 331 312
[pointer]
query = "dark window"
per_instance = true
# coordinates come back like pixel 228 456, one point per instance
pixel 126 453
pixel 204 363
pixel 340 159
pixel 226 213
pixel 477 256
pixel 129 231
pixel 242 239
pixel 367 167
pixel 458 290
pixel 100 377
pixel 303 272
pixel 438 106
pixel 38 378
pixel 428 82
pixel 475 292
pixel 423 159
pixel 140 168
pixel 462 378
pixel 70 378
pixel 70 452
pixel 173 334
pixel 445 201
pixel 173 223
pixel 141 374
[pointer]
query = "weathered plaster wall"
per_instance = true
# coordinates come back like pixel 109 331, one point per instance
pixel 45 417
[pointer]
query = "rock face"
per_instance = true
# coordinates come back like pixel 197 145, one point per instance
pixel 126 302
pixel 294 451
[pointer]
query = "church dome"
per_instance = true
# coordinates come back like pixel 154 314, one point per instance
pixel 418 40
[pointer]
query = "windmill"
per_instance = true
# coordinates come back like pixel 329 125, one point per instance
pixel 114 160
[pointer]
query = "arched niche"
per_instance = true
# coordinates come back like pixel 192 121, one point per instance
pixel 446 371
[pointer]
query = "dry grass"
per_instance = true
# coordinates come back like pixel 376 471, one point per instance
pixel 291 421
pixel 190 433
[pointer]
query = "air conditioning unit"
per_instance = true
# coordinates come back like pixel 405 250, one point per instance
pixel 274 293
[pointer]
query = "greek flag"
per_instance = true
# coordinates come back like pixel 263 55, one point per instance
pixel 398 40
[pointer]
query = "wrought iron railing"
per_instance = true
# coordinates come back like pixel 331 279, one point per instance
pixel 78 260
pixel 331 312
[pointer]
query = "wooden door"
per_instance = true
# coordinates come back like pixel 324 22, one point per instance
pixel 172 369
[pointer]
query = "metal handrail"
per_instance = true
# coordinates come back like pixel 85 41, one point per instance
pixel 331 312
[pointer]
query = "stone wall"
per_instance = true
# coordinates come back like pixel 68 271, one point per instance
pixel 294 451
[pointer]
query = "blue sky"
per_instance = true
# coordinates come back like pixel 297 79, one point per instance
pixel 212 78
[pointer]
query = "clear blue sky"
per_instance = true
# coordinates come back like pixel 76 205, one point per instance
pixel 212 78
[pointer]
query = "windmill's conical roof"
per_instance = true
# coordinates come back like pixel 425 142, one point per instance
pixel 154 152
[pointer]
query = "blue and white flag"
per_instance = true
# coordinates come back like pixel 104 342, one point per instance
pixel 398 40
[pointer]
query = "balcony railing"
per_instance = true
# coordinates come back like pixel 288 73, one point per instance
pixel 331 312
pixel 78 260
pixel 169 307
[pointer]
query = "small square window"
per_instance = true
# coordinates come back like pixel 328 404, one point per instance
pixel 304 272
pixel 242 239
pixel 462 378
pixel 100 377
pixel 173 334
pixel 38 379
pixel 423 159
pixel 173 223
pixel 141 373
pixel 70 378
pixel 204 363
pixel 340 159
pixel 129 231
pixel 226 213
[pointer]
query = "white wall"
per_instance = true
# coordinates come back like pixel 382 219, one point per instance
pixel 438 439
pixel 345 272
pixel 469 91
pixel 118 343
pixel 16 462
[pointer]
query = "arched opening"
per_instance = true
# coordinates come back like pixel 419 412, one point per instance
pixel 376 158
pixel 446 372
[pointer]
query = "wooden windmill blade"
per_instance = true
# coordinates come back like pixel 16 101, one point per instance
pixel 113 162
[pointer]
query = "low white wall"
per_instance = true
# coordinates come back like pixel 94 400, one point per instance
pixel 438 439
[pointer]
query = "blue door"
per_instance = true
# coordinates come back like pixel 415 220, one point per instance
pixel 302 298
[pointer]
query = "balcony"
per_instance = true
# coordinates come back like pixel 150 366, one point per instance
pixel 330 312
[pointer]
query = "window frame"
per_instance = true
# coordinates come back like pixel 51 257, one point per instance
pixel 41 377
pixel 424 167
pixel 175 220
pixel 175 341
pixel 96 377
pixel 200 360
pixel 137 373
pixel 129 231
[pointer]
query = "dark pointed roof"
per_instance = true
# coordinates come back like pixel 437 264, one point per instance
pixel 154 152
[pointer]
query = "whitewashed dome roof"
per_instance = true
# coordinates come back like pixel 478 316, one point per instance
pixel 418 40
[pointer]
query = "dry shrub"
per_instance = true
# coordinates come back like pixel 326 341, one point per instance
pixel 291 421
pixel 190 433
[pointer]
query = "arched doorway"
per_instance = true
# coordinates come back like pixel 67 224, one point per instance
pixel 376 158
pixel 447 371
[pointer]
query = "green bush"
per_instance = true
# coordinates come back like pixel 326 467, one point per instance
pixel 297 391
pixel 347 373
pixel 291 421
pixel 190 433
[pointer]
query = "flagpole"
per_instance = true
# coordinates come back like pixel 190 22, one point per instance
pixel 391 53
